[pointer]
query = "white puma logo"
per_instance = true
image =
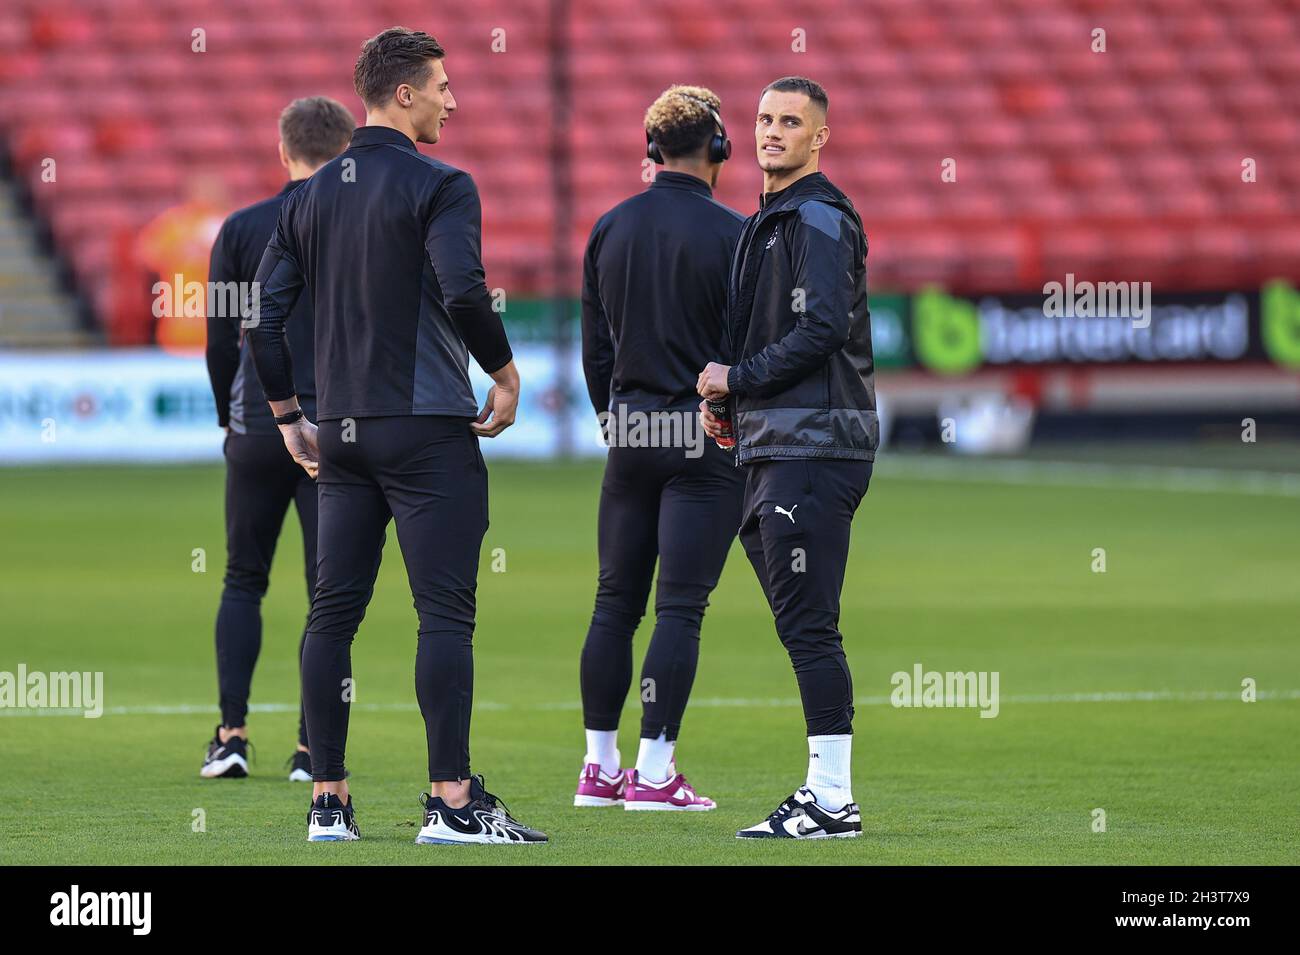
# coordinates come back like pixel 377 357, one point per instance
pixel 790 513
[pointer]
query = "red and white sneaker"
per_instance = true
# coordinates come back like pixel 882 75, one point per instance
pixel 596 788
pixel 675 794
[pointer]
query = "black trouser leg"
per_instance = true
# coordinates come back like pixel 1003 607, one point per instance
pixel 306 499
pixel 699 512
pixel 426 473
pixel 656 504
pixel 260 482
pixel 353 517
pixel 627 541
pixel 799 554
pixel 438 494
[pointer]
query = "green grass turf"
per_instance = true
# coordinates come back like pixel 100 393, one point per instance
pixel 1201 590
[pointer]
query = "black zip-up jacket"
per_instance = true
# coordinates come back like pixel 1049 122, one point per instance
pixel 801 378
pixel 654 294
pixel 388 242
pixel 241 403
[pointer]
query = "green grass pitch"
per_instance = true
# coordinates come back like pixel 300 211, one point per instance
pixel 1201 590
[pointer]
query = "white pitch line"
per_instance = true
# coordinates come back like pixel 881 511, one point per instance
pixel 1093 475
pixel 1112 696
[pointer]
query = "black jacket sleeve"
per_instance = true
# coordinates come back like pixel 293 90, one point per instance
pixel 597 342
pixel 822 246
pixel 279 283
pixel 453 241
pixel 222 351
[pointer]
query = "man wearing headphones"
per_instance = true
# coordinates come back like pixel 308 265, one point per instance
pixel 654 301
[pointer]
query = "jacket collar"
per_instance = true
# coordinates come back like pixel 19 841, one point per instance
pixel 290 186
pixel 813 182
pixel 380 135
pixel 680 180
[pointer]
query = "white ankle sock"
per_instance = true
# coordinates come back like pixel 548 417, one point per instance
pixel 828 770
pixel 602 748
pixel 654 758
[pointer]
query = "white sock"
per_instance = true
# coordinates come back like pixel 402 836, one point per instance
pixel 654 758
pixel 828 770
pixel 602 748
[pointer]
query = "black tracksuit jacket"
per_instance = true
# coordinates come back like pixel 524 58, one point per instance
pixel 800 332
pixel 236 254
pixel 654 294
pixel 388 241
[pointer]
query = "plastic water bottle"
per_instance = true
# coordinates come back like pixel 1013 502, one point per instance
pixel 726 440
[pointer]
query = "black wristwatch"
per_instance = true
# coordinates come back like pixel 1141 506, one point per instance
pixel 290 417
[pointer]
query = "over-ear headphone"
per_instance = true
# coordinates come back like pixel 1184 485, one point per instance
pixel 719 145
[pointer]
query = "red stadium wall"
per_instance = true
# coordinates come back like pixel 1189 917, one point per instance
pixel 1125 164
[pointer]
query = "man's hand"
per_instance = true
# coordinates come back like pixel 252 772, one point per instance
pixel 300 440
pixel 710 423
pixel 712 383
pixel 502 403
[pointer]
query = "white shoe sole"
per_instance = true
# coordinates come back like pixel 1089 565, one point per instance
pixel 331 834
pixel 580 800
pixel 647 806
pixel 222 766
pixel 444 838
pixel 824 835
pixel 300 776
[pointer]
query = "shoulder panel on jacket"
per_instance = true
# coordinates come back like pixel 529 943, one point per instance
pixel 822 216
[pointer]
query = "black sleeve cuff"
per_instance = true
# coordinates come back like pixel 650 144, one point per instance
pixel 735 381
pixel 496 364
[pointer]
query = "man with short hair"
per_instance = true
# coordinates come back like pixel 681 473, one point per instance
pixel 261 478
pixel 654 302
pixel 388 241
pixel 803 406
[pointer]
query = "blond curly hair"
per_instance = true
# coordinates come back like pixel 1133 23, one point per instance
pixel 679 122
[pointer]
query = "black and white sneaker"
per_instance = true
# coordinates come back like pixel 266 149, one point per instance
pixel 329 820
pixel 801 817
pixel 228 760
pixel 483 820
pixel 300 767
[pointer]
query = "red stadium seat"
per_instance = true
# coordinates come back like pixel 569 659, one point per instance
pixel 1067 159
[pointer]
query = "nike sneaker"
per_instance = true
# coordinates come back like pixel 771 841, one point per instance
pixel 228 760
pixel 675 794
pixel 329 820
pixel 300 767
pixel 596 788
pixel 800 817
pixel 483 820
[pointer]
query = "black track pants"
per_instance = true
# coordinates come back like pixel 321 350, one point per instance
pixel 656 504
pixel 261 481
pixel 798 513
pixel 426 474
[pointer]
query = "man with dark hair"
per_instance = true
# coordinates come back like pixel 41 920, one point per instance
pixel 311 130
pixel 803 412
pixel 261 478
pixel 654 301
pixel 387 241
